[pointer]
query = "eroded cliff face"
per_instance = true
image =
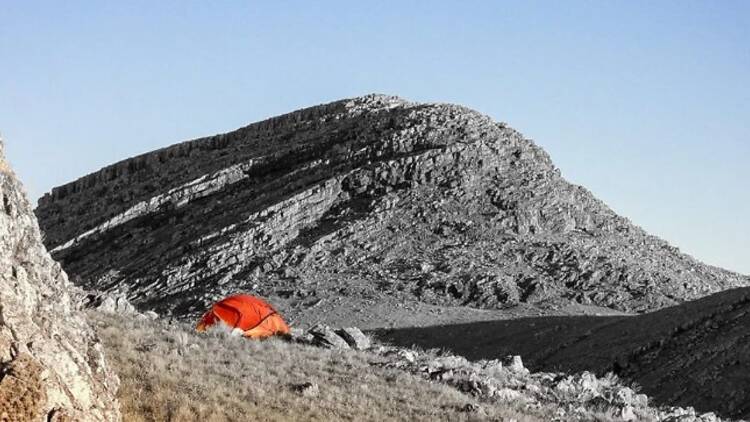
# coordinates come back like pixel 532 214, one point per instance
pixel 51 365
pixel 369 198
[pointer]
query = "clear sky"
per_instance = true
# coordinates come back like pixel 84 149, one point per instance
pixel 647 104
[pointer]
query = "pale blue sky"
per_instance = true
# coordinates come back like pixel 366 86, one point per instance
pixel 645 103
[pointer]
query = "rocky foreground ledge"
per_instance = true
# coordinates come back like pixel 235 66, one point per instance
pixel 52 367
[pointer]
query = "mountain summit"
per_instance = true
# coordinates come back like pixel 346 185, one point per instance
pixel 357 203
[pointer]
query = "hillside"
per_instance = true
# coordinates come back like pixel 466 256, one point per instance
pixel 169 372
pixel 357 209
pixel 693 354
pixel 215 377
pixel 52 367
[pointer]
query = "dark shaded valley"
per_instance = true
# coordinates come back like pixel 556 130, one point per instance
pixel 693 354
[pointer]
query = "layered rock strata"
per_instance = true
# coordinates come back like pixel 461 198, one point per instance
pixel 367 197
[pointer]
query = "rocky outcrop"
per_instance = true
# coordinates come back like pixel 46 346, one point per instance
pixel 506 380
pixel 51 366
pixel 577 397
pixel 365 198
pixel 328 338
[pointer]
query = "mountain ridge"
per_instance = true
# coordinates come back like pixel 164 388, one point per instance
pixel 371 198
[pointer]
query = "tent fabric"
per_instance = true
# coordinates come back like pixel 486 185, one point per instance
pixel 273 325
pixel 253 316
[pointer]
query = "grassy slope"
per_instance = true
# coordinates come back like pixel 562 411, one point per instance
pixel 169 373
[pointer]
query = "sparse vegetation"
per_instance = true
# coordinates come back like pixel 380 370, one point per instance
pixel 168 373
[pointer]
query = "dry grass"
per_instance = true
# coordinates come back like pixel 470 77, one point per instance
pixel 168 373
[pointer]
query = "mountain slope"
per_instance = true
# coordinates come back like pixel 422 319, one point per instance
pixel 217 377
pixel 694 354
pixel 367 200
pixel 51 365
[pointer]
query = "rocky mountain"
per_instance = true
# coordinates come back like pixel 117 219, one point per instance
pixel 358 203
pixel 694 354
pixel 52 367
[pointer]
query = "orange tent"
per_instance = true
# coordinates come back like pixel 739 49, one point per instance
pixel 253 316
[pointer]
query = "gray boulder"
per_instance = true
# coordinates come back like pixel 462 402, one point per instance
pixel 325 336
pixel 514 364
pixel 355 338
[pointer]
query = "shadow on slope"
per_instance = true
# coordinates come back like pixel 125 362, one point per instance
pixel 695 354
